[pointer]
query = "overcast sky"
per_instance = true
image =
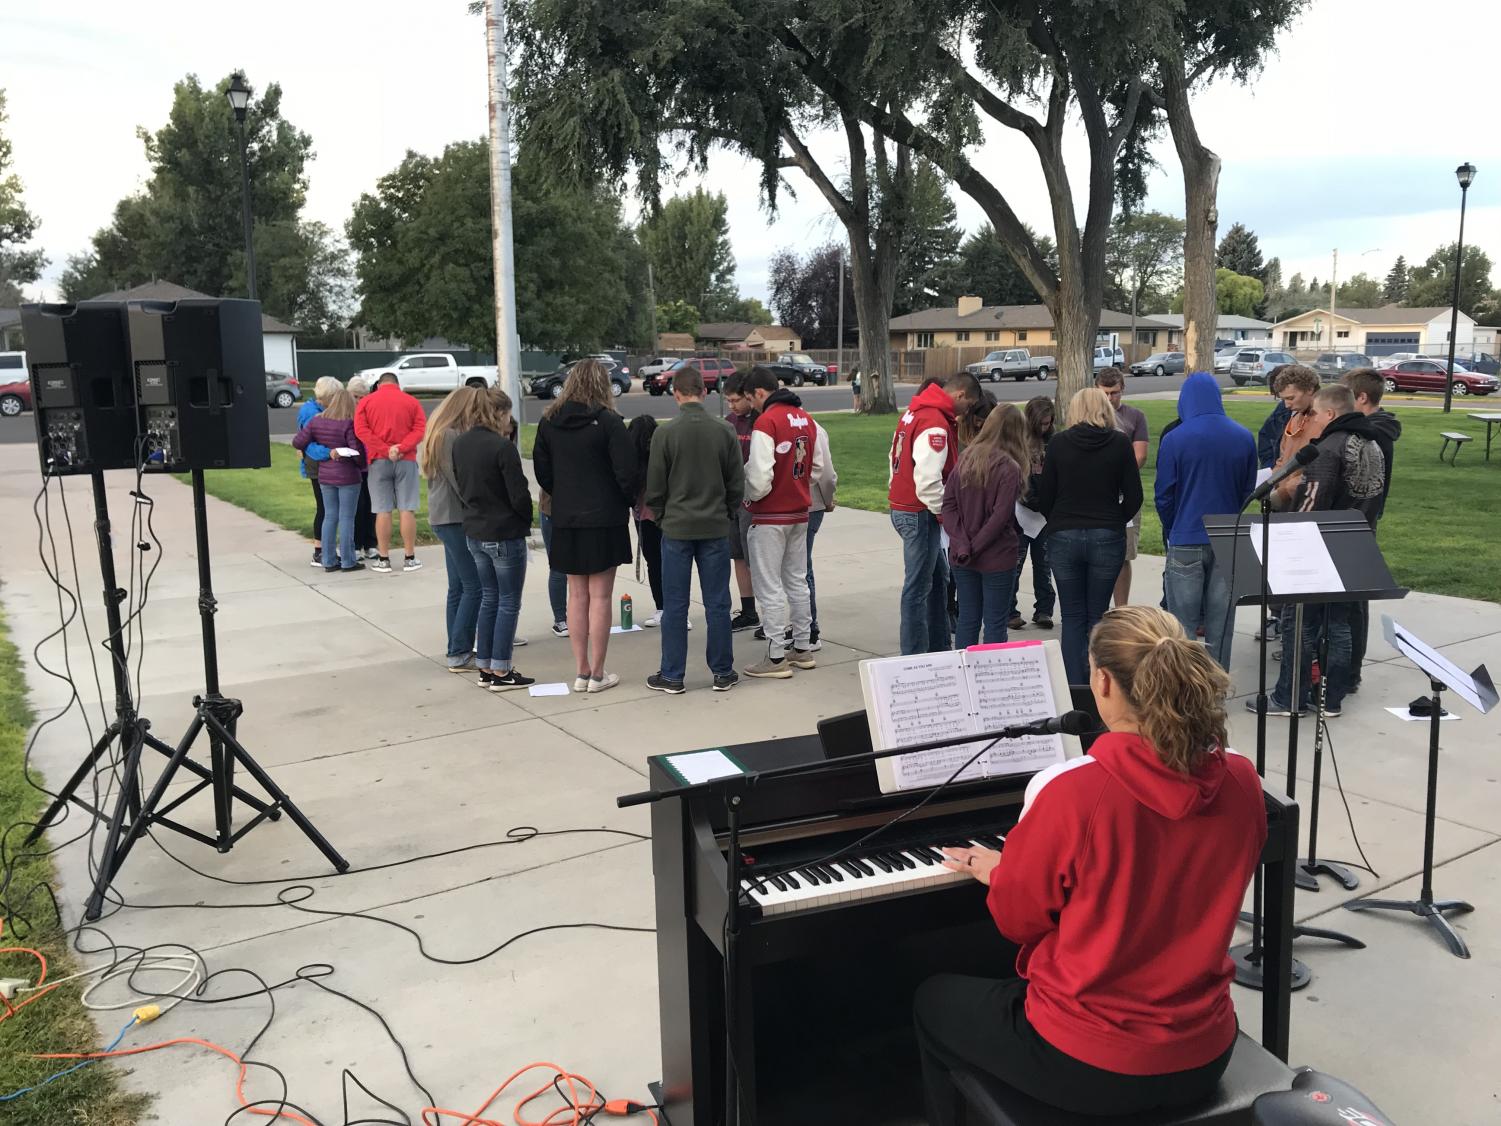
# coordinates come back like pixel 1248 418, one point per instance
pixel 1348 138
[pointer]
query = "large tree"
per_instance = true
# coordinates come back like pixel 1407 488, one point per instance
pixel 687 241
pixel 1144 261
pixel 1240 252
pixel 805 294
pixel 18 266
pixel 185 224
pixel 1432 283
pixel 930 241
pixel 983 268
pixel 425 266
pixel 1360 292
pixel 1395 289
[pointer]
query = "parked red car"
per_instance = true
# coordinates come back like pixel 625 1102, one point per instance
pixel 1429 375
pixel 14 398
pixel 712 368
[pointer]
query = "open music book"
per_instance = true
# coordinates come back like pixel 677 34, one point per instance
pixel 932 696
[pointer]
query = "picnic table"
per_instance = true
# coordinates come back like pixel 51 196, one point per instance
pixel 1490 418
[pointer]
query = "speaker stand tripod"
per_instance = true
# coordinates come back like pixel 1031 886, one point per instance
pixel 215 713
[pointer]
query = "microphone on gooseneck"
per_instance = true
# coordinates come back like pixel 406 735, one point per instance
pixel 1299 460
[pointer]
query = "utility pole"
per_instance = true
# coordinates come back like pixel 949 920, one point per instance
pixel 1333 296
pixel 651 295
pixel 839 355
pixel 507 343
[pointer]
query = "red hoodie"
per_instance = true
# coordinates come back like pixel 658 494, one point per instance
pixel 923 450
pixel 1122 883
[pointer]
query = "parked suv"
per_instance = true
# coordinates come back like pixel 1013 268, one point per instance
pixel 1254 365
pixel 1332 365
pixel 549 386
pixel 712 368
pixel 282 390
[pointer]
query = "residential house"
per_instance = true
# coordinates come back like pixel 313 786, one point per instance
pixel 973 324
pixel 1375 332
pixel 1229 326
pixel 10 330
pixel 744 337
pixel 278 340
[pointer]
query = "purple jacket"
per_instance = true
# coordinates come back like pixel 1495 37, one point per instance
pixel 333 433
pixel 981 519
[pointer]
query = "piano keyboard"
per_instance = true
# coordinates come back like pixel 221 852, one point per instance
pixel 871 873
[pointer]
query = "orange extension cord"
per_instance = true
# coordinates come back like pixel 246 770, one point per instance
pixel 12 1010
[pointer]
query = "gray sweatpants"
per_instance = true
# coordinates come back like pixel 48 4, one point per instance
pixel 778 557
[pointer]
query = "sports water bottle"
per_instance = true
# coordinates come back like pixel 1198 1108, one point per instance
pixel 626 617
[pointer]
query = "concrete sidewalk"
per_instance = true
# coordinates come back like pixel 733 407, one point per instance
pixel 348 704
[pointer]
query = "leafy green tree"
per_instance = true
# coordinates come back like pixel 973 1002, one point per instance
pixel 1144 260
pixel 18 266
pixel 1360 292
pixel 1240 252
pixel 425 267
pixel 805 294
pixel 749 310
pixel 688 243
pixel 1432 283
pixel 185 226
pixel 1237 294
pixel 678 316
pixel 930 240
pixel 1395 290
pixel 985 269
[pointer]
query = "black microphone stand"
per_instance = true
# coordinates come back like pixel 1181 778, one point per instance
pixel 1308 869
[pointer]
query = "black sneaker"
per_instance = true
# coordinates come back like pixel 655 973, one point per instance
pixel 1042 621
pixel 505 682
pixel 744 620
pixel 659 683
pixel 1016 622
pixel 725 683
pixel 317 557
pixel 353 567
pixel 327 570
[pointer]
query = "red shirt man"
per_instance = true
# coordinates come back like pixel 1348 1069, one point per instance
pixel 391 423
pixel 923 452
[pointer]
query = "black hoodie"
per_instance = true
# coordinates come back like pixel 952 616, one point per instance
pixel 1089 480
pixel 1349 473
pixel 585 460
pixel 1388 429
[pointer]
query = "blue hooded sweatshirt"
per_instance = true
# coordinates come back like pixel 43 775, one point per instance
pixel 1206 466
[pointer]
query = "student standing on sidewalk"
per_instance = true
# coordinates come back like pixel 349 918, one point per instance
pixel 455 415
pixel 364 519
pixel 979 514
pixel 642 428
pixel 338 477
pixel 557 582
pixel 314 455
pixel 391 424
pixel 923 451
pixel 822 492
pixel 497 521
pixel 1039 413
pixel 1131 422
pixel 1367 385
pixel 784 459
pixel 742 419
pixel 695 481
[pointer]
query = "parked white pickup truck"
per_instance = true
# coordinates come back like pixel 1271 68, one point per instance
pixel 1018 363
pixel 432 371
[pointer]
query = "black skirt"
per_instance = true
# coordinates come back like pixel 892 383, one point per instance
pixel 588 551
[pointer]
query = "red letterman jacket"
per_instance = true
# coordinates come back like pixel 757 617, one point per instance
pixel 784 458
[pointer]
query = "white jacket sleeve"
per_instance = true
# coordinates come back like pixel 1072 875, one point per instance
pixel 825 479
pixel 930 453
pixel 760 466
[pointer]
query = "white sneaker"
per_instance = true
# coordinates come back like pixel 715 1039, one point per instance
pixel 654 621
pixel 518 641
pixel 581 684
pixel 560 629
pixel 604 683
pixel 412 564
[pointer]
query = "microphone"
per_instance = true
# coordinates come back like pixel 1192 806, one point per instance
pixel 1069 723
pixel 1299 460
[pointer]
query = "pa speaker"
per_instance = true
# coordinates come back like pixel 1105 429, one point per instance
pixel 200 382
pixel 83 394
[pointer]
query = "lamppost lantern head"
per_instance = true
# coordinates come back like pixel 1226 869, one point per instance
pixel 1465 174
pixel 239 95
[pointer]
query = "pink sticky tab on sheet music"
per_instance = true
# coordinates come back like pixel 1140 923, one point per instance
pixel 1001 645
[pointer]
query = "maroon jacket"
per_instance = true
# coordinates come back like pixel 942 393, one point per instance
pixel 333 433
pixel 981 519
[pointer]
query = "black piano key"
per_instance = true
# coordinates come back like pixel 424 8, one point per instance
pixel 814 876
pixel 924 855
pixel 990 840
pixel 777 882
pixel 865 869
pixel 879 861
pixel 833 873
pixel 850 868
pixel 790 880
pixel 902 860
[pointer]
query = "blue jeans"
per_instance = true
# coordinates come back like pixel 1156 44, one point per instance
pixel 339 504
pixel 925 584
pixel 1317 618
pixel 1043 597
pixel 1085 564
pixel 713 559
pixel 1197 594
pixel 815 521
pixel 557 582
pixel 984 596
pixel 502 571
pixel 462 612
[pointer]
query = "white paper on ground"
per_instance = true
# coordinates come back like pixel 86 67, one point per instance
pixel 1300 560
pixel 703 766
pixel 1404 714
pixel 1032 523
pixel 617 629
pixel 558 688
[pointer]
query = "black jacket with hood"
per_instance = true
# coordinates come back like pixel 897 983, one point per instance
pixel 1388 429
pixel 586 461
pixel 1349 473
pixel 1089 480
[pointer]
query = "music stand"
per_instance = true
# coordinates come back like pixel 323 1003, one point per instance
pixel 1359 574
pixel 1477 690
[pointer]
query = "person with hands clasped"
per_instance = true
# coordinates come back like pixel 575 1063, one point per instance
pixel 1121 885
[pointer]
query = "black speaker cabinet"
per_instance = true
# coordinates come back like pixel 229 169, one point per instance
pixel 200 382
pixel 83 394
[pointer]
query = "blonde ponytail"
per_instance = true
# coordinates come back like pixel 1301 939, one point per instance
pixel 1175 687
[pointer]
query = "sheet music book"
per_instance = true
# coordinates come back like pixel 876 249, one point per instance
pixel 930 696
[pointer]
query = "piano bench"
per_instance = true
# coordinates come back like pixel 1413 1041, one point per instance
pixel 1253 1071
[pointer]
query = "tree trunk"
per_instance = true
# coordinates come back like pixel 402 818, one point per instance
pixel 1201 178
pixel 1076 321
pixel 873 314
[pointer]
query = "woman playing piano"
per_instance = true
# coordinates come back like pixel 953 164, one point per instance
pixel 1121 884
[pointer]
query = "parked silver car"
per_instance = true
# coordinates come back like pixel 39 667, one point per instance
pixel 282 390
pixel 1160 363
pixel 1254 365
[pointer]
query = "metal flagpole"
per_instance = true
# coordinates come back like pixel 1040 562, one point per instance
pixel 507 343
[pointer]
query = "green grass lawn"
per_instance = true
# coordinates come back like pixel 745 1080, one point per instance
pixel 55 1022
pixel 1441 532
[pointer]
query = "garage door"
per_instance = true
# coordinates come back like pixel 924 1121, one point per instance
pixel 1385 343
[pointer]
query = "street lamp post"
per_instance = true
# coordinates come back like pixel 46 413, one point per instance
pixel 1465 173
pixel 239 101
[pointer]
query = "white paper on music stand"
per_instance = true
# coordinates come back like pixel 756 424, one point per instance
pixel 1032 523
pixel 1439 667
pixel 1300 560
pixel 918 699
pixel 1014 684
pixel 703 766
